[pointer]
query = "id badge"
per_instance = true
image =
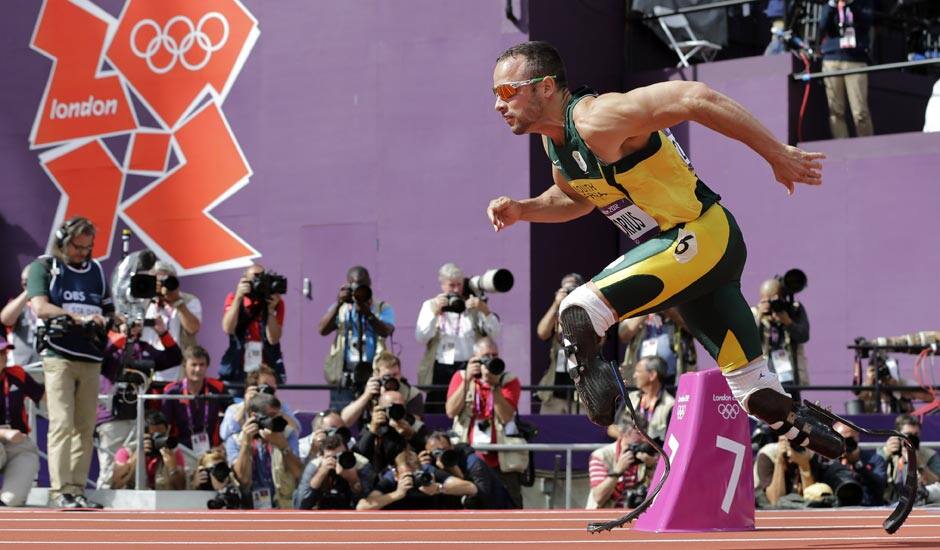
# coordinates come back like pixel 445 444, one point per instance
pixel 448 353
pixel 847 41
pixel 781 361
pixel 200 443
pixel 261 498
pixel 482 436
pixel 252 356
pixel 650 347
pixel 561 361
pixel 632 220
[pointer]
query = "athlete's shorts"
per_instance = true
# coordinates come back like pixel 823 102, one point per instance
pixel 697 267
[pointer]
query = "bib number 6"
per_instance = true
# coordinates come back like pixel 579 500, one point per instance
pixel 686 246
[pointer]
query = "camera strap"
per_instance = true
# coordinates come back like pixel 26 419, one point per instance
pixel 187 406
pixel 7 417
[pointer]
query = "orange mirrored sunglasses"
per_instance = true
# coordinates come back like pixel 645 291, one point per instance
pixel 508 89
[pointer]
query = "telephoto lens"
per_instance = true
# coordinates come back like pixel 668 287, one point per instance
pixel 347 459
pixel 275 424
pixel 396 412
pixel 494 365
pixel 448 457
pixel 422 478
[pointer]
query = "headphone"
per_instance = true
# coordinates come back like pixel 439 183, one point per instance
pixel 64 233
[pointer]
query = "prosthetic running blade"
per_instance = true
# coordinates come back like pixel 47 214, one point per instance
pixel 909 492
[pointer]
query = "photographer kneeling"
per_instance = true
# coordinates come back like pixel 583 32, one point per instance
pixel 462 462
pixel 336 479
pixel 265 457
pixel 212 473
pixel 411 486
pixel 391 430
pixel 165 462
pixel 620 471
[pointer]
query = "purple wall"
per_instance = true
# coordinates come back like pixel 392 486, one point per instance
pixel 371 134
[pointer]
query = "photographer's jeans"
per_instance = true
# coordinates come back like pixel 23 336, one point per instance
pixel 19 464
pixel 72 396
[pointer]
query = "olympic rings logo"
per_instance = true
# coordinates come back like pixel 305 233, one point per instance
pixel 162 39
pixel 729 411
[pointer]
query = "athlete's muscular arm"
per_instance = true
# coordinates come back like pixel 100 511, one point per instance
pixel 559 203
pixel 608 122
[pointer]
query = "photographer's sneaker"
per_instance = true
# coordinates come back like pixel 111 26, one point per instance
pixel 85 503
pixel 64 502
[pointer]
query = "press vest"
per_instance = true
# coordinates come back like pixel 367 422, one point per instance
pixel 82 291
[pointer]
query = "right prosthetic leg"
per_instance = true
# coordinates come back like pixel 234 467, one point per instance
pixel 809 425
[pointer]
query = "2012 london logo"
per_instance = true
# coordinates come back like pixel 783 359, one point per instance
pixel 141 95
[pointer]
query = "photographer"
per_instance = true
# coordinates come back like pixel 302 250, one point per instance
pixel 843 36
pixel 253 320
pixel 928 461
pixel 662 334
pixel 20 319
pixel 650 399
pixel 483 400
pixel 195 422
pixel 125 372
pixel 447 326
pixel 462 462
pixel 19 456
pixel 411 486
pixel 68 294
pixel 783 470
pixel 165 462
pixel 387 377
pixel 180 312
pixel 264 458
pixel 362 324
pixel 335 480
pixel 323 424
pixel 262 380
pixel 868 467
pixel 620 471
pixel 557 401
pixel 784 329
pixel 391 430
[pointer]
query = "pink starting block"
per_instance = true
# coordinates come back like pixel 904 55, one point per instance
pixel 711 485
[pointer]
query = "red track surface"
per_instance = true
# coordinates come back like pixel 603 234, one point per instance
pixel 847 529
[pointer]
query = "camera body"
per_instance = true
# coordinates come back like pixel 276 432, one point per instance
pixel 359 294
pixel 267 389
pixel 635 496
pixel 793 282
pixel 455 303
pixel 228 498
pixel 395 412
pixel 389 383
pixel 637 448
pixel 422 478
pixel 266 284
pixel 161 441
pixel 448 457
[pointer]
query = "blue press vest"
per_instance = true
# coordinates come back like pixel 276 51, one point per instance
pixel 81 291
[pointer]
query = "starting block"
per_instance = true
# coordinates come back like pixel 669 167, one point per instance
pixel 711 485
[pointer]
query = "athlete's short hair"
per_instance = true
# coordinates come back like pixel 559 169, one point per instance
pixel 542 59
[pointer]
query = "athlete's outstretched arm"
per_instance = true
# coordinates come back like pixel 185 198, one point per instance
pixel 610 119
pixel 559 203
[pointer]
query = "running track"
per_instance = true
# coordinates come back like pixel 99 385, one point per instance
pixel 542 529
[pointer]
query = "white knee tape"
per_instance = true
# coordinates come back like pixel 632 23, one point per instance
pixel 755 376
pixel 601 315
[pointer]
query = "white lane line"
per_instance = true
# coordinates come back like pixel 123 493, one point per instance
pixel 886 538
pixel 423 530
pixel 313 519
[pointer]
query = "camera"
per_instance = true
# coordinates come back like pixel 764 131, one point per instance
pixel 359 294
pixel 389 383
pixel 422 478
pixel 635 496
pixel 272 423
pixel 493 280
pixel 448 457
pixel 266 284
pixel 64 327
pixel 229 498
pixel 357 378
pixel 161 440
pixel 842 480
pixel 455 304
pixel 135 374
pixel 220 471
pixel 266 388
pixel 347 459
pixel 395 412
pixel 144 286
pixel 342 431
pixel 793 282
pixel 637 448
pixel 494 365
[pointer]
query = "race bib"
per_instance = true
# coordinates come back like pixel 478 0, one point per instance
pixel 262 499
pixel 847 41
pixel 200 443
pixel 782 366
pixel 252 356
pixel 632 220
